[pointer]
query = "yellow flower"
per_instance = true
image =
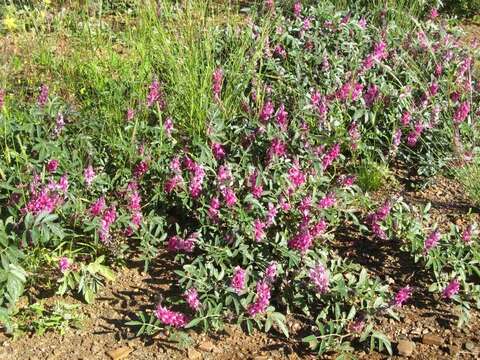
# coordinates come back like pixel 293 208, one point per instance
pixel 9 23
pixel 47 2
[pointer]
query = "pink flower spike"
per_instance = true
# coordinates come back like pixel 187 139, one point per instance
pixel 88 175
pixel 451 289
pixel 52 166
pixel 319 277
pixel 267 111
pixel 262 299
pixel 171 318
pixel 64 264
pixel 402 296
pixel 43 96
pixel 130 114
pixel 238 280
pixel 191 297
pixel 431 241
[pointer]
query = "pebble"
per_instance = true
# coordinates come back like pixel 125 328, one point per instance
pixel 453 350
pixel 193 354
pixel 206 346
pixel 405 347
pixel 432 339
pixel 120 353
pixel 469 346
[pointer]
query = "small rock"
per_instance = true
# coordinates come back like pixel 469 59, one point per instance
pixel 432 339
pixel 120 353
pixel 469 346
pixel 405 347
pixel 194 354
pixel 453 350
pixel 416 331
pixel 206 346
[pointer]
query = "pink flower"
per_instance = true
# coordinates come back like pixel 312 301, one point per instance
pixel 318 228
pixel 356 91
pixel 347 181
pixel 319 277
pixel 64 264
pixel 267 111
pixel 224 174
pixel 271 214
pixel 402 296
pixel 271 271
pixel 52 166
pixel 153 93
pixel 63 183
pixel 451 289
pixel 43 95
pixel 438 70
pixel 462 112
pixel 356 326
pixel 177 244
pixel 307 24
pixel 327 201
pixel 213 209
pixel 330 157
pixel 259 230
pixel 397 137
pixel 217 79
pixel 371 95
pixel 297 8
pixel 2 98
pixel 280 51
pixel 262 299
pixel 301 241
pixel 296 176
pixel 168 126
pixel 218 151
pixel 238 280
pixel 368 62
pixel 284 204
pixel 433 14
pixel 171 318
pixel 108 218
pixel 277 149
pixel 433 89
pixel 130 114
pixel 379 50
pixel 270 5
pixel 175 165
pixel 172 183
pixel 59 124
pixel 88 175
pixel 229 197
pixel 98 206
pixel 431 241
pixel 282 119
pixel 467 234
pixel 362 23
pixel 140 169
pixel 191 297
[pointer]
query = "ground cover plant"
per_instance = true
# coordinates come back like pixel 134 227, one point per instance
pixel 235 142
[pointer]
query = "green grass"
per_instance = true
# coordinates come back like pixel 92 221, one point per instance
pixel 469 177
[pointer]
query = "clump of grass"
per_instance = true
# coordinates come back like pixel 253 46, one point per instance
pixel 371 176
pixel 468 176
